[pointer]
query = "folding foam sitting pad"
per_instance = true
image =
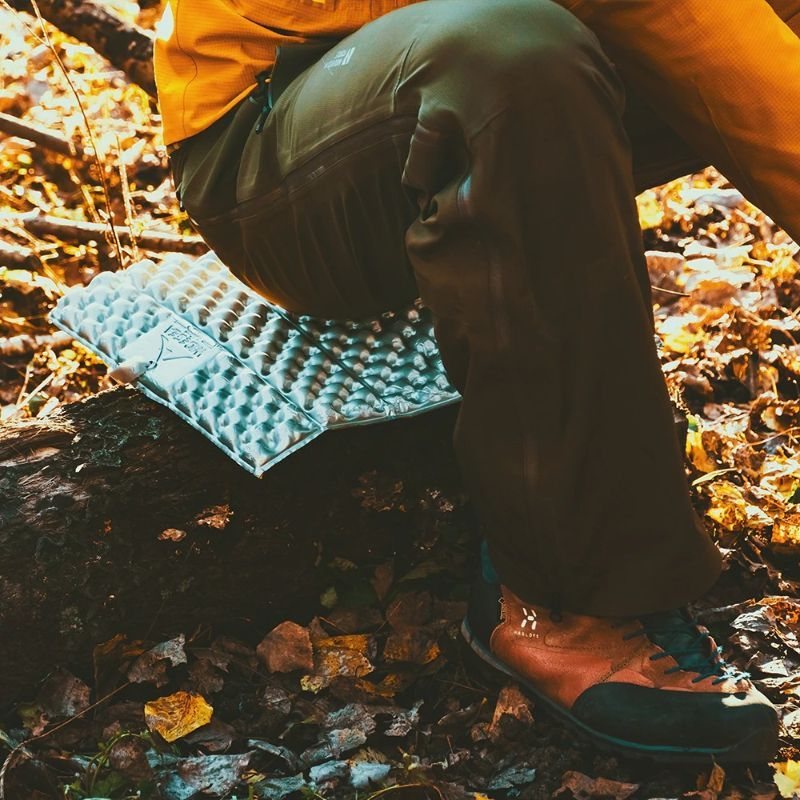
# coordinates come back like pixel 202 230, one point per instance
pixel 257 381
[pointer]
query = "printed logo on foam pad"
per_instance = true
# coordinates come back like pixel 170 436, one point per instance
pixel 257 381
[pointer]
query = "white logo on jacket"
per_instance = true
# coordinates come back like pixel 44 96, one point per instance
pixel 341 58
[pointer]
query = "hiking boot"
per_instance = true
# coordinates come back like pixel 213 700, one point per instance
pixel 649 686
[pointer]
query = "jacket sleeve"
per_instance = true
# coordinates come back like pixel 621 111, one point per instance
pixel 725 75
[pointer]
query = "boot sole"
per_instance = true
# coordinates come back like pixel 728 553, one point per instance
pixel 751 749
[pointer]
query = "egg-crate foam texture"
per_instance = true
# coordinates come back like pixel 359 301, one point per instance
pixel 256 380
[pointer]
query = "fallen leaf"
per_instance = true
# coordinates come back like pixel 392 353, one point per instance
pixel 215 737
pixel 183 778
pixel 513 776
pixel 728 507
pixel 338 657
pixel 787 778
pixel 368 774
pixel 382 579
pixel 715 781
pixel 63 695
pixel 177 715
pixel 151 666
pixel 512 706
pixel 786 534
pixel 286 648
pixel 206 677
pixel 409 610
pixel 216 517
pixel 697 452
pixel 403 721
pixel 278 788
pixel 413 646
pixel 129 757
pixel 583 787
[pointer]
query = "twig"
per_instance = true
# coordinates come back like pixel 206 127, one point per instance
pixel 775 435
pixel 670 291
pixel 13 126
pixel 90 134
pixel 126 199
pixel 128 47
pixel 80 231
pixel 24 398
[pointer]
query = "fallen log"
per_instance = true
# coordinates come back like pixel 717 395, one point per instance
pixel 116 517
pixel 128 47
pixel 69 230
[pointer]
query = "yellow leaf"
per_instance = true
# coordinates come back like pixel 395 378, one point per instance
pixel 697 453
pixel 787 778
pixel 679 332
pixel 361 643
pixel 651 210
pixel 728 507
pixel 177 715
pixel 786 534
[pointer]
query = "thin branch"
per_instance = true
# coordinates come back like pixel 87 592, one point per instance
pixel 80 231
pixel 13 126
pixel 128 47
pixel 89 133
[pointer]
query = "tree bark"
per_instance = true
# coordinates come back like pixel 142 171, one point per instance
pixel 127 47
pixel 87 495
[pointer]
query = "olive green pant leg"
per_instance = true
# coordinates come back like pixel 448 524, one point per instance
pixel 476 153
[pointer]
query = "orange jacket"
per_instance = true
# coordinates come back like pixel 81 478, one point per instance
pixel 724 73
pixel 208 52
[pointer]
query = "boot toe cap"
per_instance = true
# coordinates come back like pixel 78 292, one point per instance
pixel 740 726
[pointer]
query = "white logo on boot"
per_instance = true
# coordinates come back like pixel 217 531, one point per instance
pixel 529 616
pixel 527 626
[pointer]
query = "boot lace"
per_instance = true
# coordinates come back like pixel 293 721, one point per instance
pixel 691 645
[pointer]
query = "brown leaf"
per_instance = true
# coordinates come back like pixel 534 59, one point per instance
pixel 512 706
pixel 583 787
pixel 382 579
pixel 129 757
pixel 205 677
pixel 336 661
pixel 216 517
pixel 177 715
pixel 409 610
pixel 63 695
pixel 152 665
pixel 216 737
pixel 785 537
pixel 411 646
pixel 212 775
pixel 360 642
pixel 286 648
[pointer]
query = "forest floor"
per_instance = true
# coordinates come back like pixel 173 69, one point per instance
pixel 374 695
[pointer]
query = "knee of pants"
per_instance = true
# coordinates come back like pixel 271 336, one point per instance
pixel 507 52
